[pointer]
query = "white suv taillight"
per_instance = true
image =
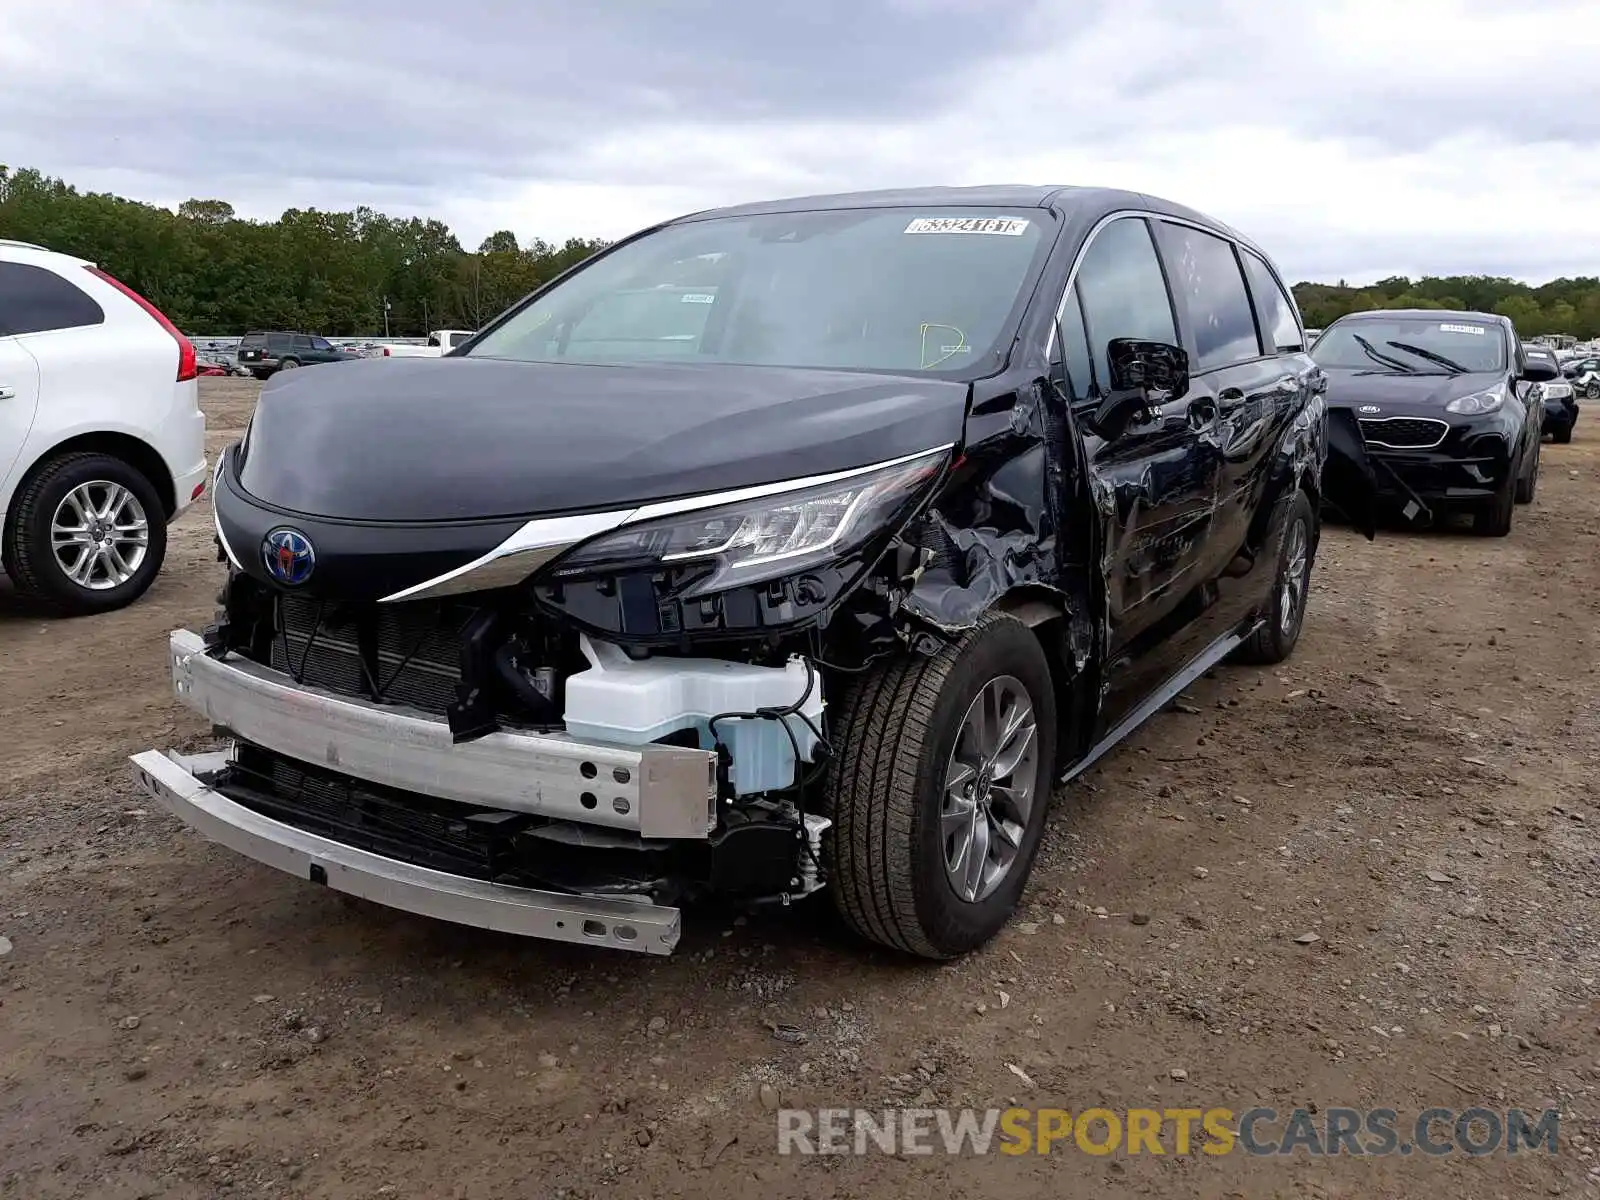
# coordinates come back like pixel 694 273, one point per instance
pixel 188 366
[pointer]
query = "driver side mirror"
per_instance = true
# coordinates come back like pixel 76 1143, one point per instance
pixel 1535 371
pixel 1144 376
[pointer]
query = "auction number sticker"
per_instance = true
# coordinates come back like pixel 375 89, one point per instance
pixel 1001 226
pixel 698 298
pixel 1477 329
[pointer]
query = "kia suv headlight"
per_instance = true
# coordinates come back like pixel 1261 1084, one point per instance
pixel 758 534
pixel 1476 404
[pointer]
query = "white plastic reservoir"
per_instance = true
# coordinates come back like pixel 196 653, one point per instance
pixel 629 701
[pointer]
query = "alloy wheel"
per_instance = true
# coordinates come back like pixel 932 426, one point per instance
pixel 989 791
pixel 100 535
pixel 1296 577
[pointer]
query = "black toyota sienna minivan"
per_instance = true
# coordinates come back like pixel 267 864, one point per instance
pixel 799 546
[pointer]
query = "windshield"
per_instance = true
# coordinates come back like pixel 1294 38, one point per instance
pixel 1453 345
pixel 862 289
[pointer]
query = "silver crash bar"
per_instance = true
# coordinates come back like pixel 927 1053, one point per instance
pixel 652 790
pixel 180 784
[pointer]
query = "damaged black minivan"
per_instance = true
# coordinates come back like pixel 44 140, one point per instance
pixel 794 546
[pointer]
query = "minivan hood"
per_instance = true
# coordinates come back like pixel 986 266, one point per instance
pixel 1396 393
pixel 417 439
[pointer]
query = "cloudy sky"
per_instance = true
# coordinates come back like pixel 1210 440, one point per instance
pixel 1353 138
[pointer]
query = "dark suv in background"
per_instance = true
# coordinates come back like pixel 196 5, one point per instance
pixel 263 354
pixel 1441 402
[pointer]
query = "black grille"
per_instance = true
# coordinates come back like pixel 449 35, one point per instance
pixel 442 835
pixel 398 653
pixel 438 834
pixel 1404 432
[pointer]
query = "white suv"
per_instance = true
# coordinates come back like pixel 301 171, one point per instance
pixel 102 442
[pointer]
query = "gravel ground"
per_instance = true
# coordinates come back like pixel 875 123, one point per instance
pixel 1415 788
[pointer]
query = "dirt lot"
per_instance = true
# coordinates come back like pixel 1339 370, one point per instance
pixel 1416 788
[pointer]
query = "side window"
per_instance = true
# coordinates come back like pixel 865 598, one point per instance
pixel 1207 281
pixel 302 342
pixel 1074 351
pixel 35 300
pixel 1122 291
pixel 1279 324
pixel 318 343
pixel 279 343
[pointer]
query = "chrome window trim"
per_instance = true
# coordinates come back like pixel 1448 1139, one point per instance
pixel 543 539
pixel 1148 215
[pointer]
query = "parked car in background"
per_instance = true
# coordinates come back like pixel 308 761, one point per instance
pixel 265 353
pixel 1584 374
pixel 940 495
pixel 1436 395
pixel 440 342
pixel 102 442
pixel 1558 395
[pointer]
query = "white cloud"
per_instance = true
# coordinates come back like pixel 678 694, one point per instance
pixel 1352 138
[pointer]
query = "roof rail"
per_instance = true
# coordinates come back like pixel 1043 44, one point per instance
pixel 19 244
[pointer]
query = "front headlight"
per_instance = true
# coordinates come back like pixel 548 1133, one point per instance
pixel 1558 391
pixel 769 535
pixel 1476 404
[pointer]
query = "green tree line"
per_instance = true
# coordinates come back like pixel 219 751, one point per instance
pixel 1560 306
pixel 213 272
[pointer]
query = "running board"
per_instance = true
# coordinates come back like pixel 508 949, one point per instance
pixel 1162 697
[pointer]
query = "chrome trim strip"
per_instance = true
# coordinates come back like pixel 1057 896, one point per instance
pixel 180 785
pixel 216 520
pixel 543 539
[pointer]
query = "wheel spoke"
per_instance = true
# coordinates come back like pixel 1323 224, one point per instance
pixel 956 821
pixel 977 857
pixel 1017 745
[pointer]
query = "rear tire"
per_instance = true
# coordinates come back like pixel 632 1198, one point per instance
pixel 903 796
pixel 1591 391
pixel 1275 640
pixel 288 364
pixel 56 499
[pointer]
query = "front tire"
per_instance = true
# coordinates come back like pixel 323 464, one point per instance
pixel 1526 487
pixel 1495 519
pixel 1275 640
pixel 1562 436
pixel 1591 391
pixel 938 791
pixel 87 534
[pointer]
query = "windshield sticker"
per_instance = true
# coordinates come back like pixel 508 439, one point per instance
pixel 1477 329
pixel 1002 226
pixel 698 298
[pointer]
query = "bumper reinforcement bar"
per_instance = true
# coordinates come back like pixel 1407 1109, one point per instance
pixel 179 784
pixel 655 791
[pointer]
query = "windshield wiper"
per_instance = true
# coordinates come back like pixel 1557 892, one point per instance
pixel 1372 352
pixel 1438 359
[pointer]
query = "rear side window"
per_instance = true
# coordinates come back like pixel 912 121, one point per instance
pixel 278 343
pixel 1279 324
pixel 1122 291
pixel 253 341
pixel 35 300
pixel 1207 281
